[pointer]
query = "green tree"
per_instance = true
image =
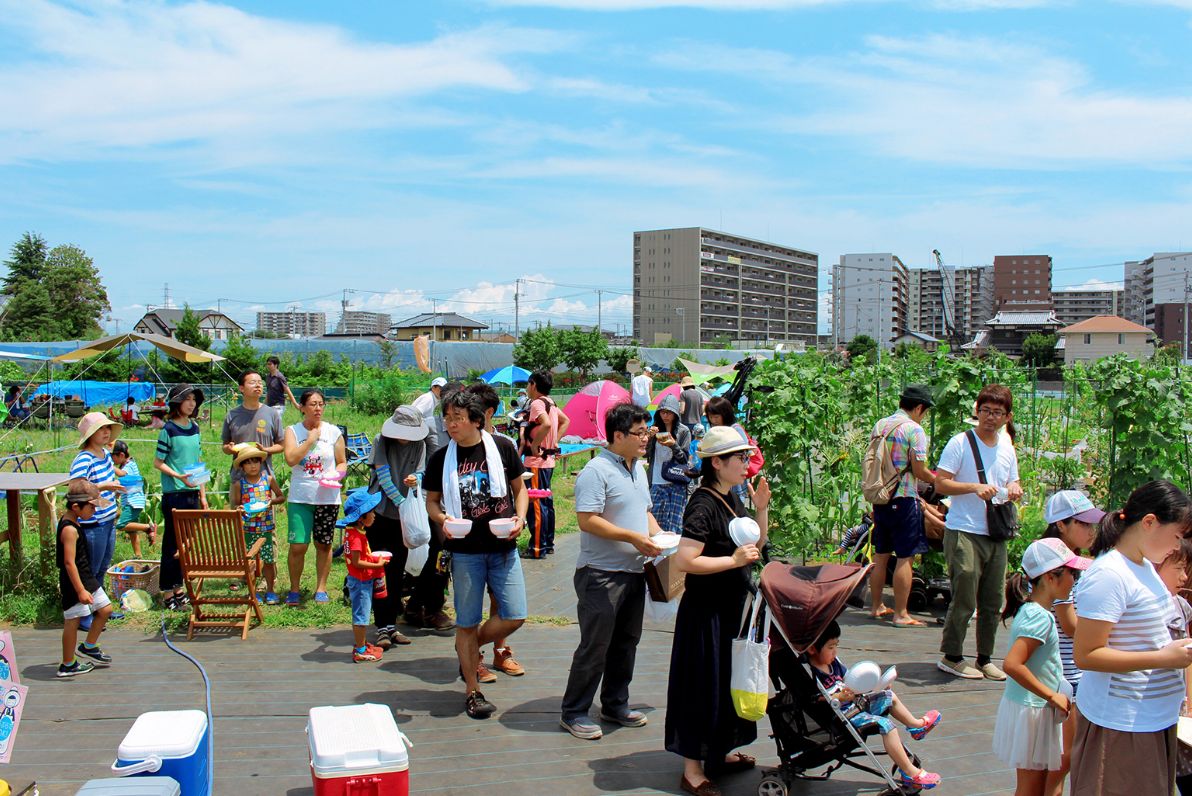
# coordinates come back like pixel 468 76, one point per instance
pixel 862 347
pixel 388 352
pixel 188 331
pixel 26 261
pixel 538 349
pixel 240 356
pixel 618 358
pixel 31 315
pixel 1039 350
pixel 582 351
pixel 81 300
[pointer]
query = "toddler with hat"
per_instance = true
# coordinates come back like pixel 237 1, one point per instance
pixel 1037 699
pixel 364 567
pixel 247 492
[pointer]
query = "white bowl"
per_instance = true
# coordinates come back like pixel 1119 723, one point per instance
pixel 383 555
pixel 744 530
pixel 503 528
pixel 863 677
pixel 666 540
pixel 256 507
pixel 457 529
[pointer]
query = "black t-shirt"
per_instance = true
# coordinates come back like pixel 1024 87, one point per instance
pixel 82 562
pixel 476 505
pixel 275 389
pixel 706 520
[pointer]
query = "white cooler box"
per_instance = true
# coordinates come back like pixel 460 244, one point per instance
pixel 357 750
pixel 137 786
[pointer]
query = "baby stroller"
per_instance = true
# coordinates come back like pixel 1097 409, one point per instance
pixel 809 727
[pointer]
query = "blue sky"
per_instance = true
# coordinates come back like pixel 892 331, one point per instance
pixel 268 154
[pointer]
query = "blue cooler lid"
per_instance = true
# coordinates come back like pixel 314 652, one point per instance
pixel 134 786
pixel 166 733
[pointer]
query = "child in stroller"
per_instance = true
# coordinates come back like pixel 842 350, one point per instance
pixel 810 729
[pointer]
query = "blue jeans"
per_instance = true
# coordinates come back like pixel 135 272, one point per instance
pixel 101 545
pixel 360 594
pixel 501 572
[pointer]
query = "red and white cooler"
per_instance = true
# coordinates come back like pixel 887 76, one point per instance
pixel 357 750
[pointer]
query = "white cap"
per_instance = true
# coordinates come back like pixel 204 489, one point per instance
pixel 439 382
pixel 1071 505
pixel 1044 555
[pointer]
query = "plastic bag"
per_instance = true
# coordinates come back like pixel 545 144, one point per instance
pixel 661 612
pixel 415 524
pixel 416 559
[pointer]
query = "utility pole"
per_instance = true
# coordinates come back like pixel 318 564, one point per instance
pixel 434 329
pixel 517 311
pixel 599 326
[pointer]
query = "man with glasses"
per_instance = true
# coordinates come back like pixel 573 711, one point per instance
pixel 252 421
pixel 977 563
pixel 612 506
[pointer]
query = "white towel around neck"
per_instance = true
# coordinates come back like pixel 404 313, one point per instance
pixel 497 488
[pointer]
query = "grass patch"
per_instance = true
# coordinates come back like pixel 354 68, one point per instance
pixel 29 598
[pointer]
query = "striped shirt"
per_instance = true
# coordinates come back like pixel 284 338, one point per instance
pixel 1134 599
pixel 97 470
pixel 1067 657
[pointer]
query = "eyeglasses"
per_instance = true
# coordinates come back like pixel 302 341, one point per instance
pixel 645 434
pixel 996 414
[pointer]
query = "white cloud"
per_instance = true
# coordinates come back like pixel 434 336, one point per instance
pixel 962 100
pixel 121 74
pixel 1095 284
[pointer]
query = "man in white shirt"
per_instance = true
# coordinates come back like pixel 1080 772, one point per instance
pixel 641 386
pixel 426 404
pixel 976 563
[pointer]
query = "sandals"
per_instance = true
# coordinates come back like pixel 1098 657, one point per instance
pixel 911 623
pixel 924 779
pixel 883 613
pixel 743 763
pixel 930 719
pixel 705 788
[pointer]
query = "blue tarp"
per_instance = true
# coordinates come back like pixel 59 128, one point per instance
pixel 100 393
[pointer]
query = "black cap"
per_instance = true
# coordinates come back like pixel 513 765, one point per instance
pixel 179 392
pixel 919 393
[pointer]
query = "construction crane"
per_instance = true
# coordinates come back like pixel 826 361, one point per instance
pixel 951 329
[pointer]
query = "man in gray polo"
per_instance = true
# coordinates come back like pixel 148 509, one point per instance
pixel 612 505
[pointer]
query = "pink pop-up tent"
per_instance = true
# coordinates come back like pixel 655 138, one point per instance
pixel 587 407
pixel 675 390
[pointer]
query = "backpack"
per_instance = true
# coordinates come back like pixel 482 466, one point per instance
pixel 523 429
pixel 879 479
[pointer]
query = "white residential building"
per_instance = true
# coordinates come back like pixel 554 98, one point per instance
pixel 870 295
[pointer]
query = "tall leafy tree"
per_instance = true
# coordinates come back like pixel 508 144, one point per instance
pixel 240 355
pixel 31 315
pixel 538 349
pixel 74 284
pixel 188 330
pixel 53 294
pixel 582 351
pixel 26 261
pixel 1039 349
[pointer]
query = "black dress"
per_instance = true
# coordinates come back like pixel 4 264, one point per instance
pixel 701 723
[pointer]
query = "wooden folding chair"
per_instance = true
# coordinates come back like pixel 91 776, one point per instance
pixel 211 547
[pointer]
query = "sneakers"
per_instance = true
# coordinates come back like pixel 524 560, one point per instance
pixel 371 653
pixel 398 638
pixel 930 719
pixel 95 654
pixel 960 669
pixel 503 660
pixel 176 602
pixel 483 673
pixel 630 718
pixel 924 779
pixel 478 707
pixel 583 728
pixel 990 672
pixel 76 667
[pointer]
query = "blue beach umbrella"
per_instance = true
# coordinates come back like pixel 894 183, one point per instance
pixel 510 374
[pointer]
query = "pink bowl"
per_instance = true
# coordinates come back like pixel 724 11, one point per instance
pixel 502 529
pixel 538 494
pixel 457 529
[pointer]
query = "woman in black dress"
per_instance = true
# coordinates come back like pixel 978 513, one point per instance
pixel 701 725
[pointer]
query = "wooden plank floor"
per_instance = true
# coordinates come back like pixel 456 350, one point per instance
pixel 262 689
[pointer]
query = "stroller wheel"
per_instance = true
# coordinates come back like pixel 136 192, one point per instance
pixel 772 785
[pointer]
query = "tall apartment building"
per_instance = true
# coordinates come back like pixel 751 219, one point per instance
pixel 1156 289
pixel 870 296
pixel 1022 282
pixel 974 298
pixel 971 289
pixel 293 324
pixel 695 284
pixel 355 322
pixel 1073 305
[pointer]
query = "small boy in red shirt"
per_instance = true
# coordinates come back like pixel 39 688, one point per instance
pixel 363 568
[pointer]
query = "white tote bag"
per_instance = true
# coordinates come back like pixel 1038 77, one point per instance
pixel 415 524
pixel 750 683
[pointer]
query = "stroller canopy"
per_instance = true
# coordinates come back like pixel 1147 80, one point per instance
pixel 804 600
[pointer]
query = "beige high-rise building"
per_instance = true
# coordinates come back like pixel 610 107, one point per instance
pixel 1073 305
pixel 295 324
pixel 698 285
pixel 971 292
pixel 870 297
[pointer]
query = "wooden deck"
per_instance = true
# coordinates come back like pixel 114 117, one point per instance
pixel 262 689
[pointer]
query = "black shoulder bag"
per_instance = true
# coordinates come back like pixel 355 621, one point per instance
pixel 1001 518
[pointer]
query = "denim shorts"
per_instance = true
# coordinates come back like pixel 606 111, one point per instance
pixel 898 528
pixel 500 572
pixel 360 593
pixel 878 706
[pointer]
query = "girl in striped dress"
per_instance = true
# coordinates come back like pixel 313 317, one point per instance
pixel 1132 685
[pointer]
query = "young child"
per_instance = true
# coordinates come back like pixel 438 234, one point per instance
pixel 82 594
pixel 130 414
pixel 1027 734
pixel 255 485
pixel 1174 574
pixel 1133 681
pixel 132 504
pixel 864 710
pixel 363 568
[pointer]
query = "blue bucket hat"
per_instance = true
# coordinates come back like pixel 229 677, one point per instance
pixel 360 502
